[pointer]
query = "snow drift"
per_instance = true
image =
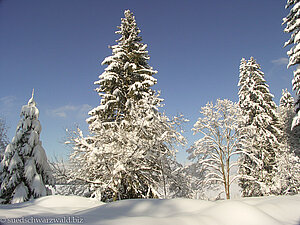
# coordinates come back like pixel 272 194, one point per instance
pixel 248 211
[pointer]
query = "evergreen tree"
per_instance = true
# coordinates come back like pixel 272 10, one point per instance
pixel 286 100
pixel 24 169
pixel 127 77
pixel 286 114
pixel 259 131
pixel 288 178
pixel 3 138
pixel 132 142
pixel 293 27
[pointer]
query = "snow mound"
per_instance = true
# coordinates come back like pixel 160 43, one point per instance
pixel 49 206
pixel 280 210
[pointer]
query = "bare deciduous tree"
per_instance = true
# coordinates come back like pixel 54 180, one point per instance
pixel 215 150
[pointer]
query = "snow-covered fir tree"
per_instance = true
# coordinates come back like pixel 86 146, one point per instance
pixel 286 115
pixel 286 100
pixel 127 77
pixel 3 138
pixel 288 163
pixel 25 171
pixel 293 27
pixel 213 153
pixel 259 131
pixel 129 152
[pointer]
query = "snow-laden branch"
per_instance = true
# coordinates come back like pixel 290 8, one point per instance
pixel 219 124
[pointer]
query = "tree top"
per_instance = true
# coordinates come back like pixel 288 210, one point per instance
pixel 31 101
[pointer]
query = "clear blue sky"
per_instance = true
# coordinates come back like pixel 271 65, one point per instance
pixel 56 47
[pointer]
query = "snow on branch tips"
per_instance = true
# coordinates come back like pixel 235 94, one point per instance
pixel 25 171
pixel 293 26
pixel 219 126
pixel 131 146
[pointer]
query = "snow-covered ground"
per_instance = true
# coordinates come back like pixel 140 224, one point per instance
pixel 74 209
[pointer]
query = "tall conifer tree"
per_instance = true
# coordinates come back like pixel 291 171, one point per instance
pixel 293 27
pixel 127 77
pixel 288 178
pixel 128 154
pixel 259 131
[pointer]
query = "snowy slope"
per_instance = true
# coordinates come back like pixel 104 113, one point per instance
pixel 247 211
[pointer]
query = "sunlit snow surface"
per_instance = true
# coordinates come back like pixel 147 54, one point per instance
pixel 247 211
